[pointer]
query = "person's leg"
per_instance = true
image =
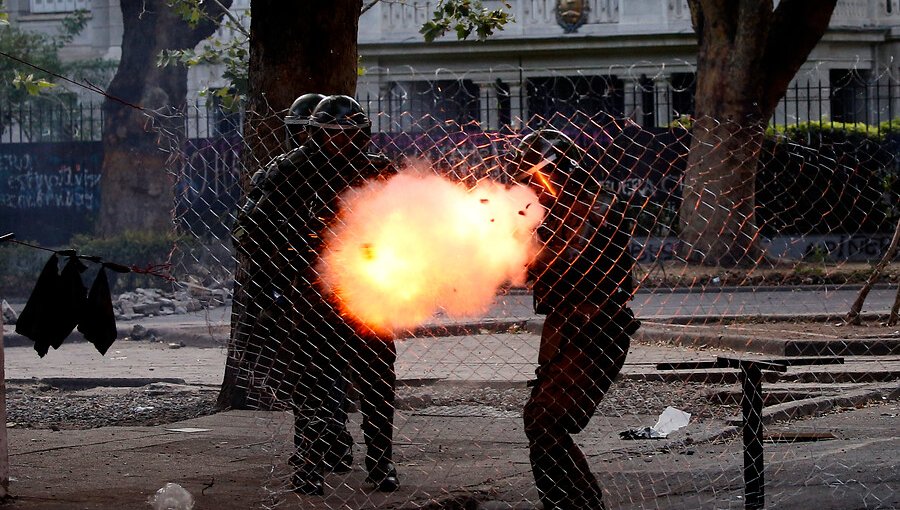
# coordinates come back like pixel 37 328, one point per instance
pixel 569 388
pixel 548 440
pixel 339 458
pixel 557 408
pixel 373 369
pixel 314 414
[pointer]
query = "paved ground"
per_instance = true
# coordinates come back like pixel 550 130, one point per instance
pixel 237 459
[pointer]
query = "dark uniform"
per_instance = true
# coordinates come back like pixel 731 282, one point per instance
pixel 267 261
pixel 582 281
pixel 329 345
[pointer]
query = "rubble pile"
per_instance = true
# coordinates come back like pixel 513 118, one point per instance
pixel 153 302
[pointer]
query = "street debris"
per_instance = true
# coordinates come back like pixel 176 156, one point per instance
pixel 669 421
pixel 172 497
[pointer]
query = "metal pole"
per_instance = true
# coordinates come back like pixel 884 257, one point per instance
pixel 4 439
pixel 751 408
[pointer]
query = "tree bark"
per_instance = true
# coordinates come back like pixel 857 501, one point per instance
pixel 295 48
pixel 747 56
pixel 137 191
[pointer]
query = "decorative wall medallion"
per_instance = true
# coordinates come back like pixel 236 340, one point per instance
pixel 571 14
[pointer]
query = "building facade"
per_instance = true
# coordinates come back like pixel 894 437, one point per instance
pixel 627 58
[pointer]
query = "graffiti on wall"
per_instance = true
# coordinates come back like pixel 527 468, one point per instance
pixel 208 185
pixel 49 191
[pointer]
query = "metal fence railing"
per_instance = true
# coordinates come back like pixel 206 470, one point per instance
pixel 859 97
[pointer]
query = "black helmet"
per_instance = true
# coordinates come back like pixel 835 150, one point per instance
pixel 297 118
pixel 542 148
pixel 338 126
pixel 340 112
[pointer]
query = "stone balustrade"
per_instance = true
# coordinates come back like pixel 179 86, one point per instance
pixel 398 22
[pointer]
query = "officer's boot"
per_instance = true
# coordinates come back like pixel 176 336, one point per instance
pixel 309 444
pixel 339 458
pixel 384 477
pixel 382 472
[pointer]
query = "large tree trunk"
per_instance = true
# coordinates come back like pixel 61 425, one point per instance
pixel 748 54
pixel 137 192
pixel 295 48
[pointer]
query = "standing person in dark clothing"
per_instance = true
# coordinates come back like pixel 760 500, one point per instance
pixel 266 264
pixel 328 343
pixel 582 281
pixel 298 346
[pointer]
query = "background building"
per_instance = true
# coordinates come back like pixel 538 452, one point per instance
pixel 631 58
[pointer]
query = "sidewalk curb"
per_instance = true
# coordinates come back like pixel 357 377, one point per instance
pixel 767 345
pixel 817 406
pixel 86 383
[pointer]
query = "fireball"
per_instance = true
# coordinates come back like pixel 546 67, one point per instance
pixel 404 249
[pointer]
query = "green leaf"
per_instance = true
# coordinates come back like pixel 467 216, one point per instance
pixel 31 85
pixel 465 17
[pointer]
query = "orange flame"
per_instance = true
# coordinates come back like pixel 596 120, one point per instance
pixel 405 248
pixel 536 172
pixel 545 182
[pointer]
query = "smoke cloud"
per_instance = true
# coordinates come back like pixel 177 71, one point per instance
pixel 405 248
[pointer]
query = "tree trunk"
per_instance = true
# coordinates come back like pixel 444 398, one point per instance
pixel 748 54
pixel 295 48
pixel 137 191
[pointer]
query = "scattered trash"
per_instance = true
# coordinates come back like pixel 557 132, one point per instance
pixel 9 314
pixel 188 430
pixel 139 332
pixel 669 421
pixel 172 497
pixel 641 433
pixel 141 409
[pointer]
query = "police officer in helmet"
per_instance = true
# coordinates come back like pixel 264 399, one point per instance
pixel 581 280
pixel 266 267
pixel 296 122
pixel 336 159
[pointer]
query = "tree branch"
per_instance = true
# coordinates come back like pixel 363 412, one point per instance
pixel 797 26
pixel 367 7
pixel 237 23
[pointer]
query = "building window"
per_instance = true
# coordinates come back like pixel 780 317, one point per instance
pixel 570 97
pixel 51 6
pixel 849 94
pixel 428 103
pixel 646 101
pixel 683 87
pixel 224 121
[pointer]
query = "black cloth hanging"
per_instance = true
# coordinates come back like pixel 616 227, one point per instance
pixel 98 320
pixel 55 305
pixel 36 317
pixel 71 299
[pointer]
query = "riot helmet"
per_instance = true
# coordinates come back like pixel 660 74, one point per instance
pixel 541 150
pixel 548 161
pixel 339 126
pixel 296 121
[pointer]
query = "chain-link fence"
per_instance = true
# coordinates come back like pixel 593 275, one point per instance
pixel 561 306
pixel 450 303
